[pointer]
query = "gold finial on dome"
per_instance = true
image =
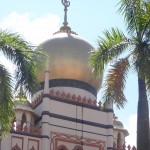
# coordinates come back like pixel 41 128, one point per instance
pixel 66 4
pixel 65 28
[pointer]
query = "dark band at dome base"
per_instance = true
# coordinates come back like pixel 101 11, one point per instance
pixel 69 83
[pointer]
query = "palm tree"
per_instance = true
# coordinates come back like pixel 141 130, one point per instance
pixel 27 61
pixel 136 57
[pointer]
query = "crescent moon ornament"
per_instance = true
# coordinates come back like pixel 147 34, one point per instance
pixel 65 28
pixel 65 3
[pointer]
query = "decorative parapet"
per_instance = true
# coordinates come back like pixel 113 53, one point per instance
pixel 73 97
pixel 32 130
pixel 67 96
pixel 123 147
pixel 37 100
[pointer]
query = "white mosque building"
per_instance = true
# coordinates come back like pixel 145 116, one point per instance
pixel 63 113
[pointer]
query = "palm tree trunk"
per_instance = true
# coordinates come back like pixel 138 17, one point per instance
pixel 142 118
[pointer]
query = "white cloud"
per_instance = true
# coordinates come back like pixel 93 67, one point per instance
pixel 131 127
pixel 7 63
pixel 34 30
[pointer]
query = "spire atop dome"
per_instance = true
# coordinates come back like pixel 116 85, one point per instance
pixel 66 5
pixel 65 28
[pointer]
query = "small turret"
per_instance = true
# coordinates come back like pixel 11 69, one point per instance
pixel 119 132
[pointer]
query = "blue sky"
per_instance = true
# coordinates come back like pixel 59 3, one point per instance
pixel 37 20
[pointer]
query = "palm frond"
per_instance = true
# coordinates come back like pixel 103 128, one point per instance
pixel 147 79
pixel 26 59
pixel 111 46
pixel 136 15
pixel 144 68
pixel 147 35
pixel 115 83
pixel 142 59
pixel 146 16
pixel 128 9
pixel 27 68
pixel 6 104
pixel 146 28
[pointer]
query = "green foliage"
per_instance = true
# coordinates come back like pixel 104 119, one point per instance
pixel 27 62
pixel 109 48
pixel 137 47
pixel 26 59
pixel 6 104
pixel 136 14
pixel 115 83
pixel 114 43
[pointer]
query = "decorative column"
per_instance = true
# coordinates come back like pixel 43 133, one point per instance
pixel 28 115
pixel 45 118
pixel 18 115
pixel 109 108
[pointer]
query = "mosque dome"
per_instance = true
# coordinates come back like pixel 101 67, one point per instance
pixel 69 56
pixel 118 124
pixel 118 127
pixel 23 105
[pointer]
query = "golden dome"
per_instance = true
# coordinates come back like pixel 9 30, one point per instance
pixel 69 56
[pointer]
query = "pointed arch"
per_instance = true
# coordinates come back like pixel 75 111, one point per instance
pixel 16 147
pixel 23 120
pixel 62 147
pixel 78 147
pixel 32 148
pixel 119 139
pixel 0 142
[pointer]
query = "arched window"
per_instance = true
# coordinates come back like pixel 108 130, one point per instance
pixel 119 139
pixel 78 147
pixel 13 123
pixel 32 148
pixel 23 121
pixel 16 147
pixel 62 147
pixel 0 142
